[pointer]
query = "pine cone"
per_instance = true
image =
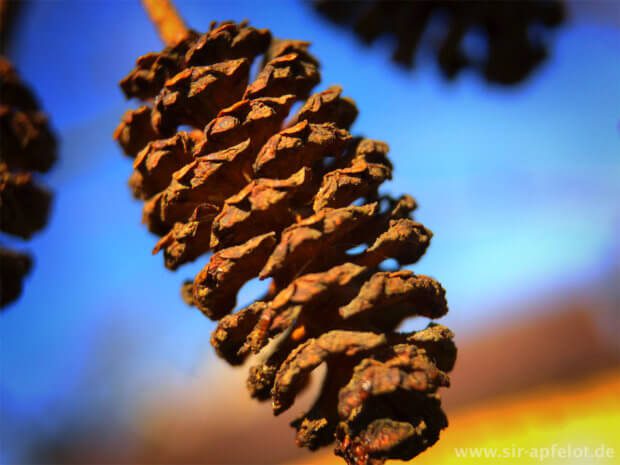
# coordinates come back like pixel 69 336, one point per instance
pixel 289 201
pixel 26 144
pixel 512 50
pixel 15 266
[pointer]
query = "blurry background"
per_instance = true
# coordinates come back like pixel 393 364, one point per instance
pixel 102 362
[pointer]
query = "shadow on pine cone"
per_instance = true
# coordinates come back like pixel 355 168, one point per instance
pixel 289 200
pixel 514 31
pixel 26 144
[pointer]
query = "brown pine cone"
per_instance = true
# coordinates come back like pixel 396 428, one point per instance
pixel 26 141
pixel 26 144
pixel 513 48
pixel 14 267
pixel 290 200
pixel 24 206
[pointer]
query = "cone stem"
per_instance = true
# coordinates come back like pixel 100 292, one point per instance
pixel 169 24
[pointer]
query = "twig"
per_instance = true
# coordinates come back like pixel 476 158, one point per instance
pixel 170 26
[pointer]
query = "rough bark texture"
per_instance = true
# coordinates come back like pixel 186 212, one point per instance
pixel 511 34
pixel 288 200
pixel 26 144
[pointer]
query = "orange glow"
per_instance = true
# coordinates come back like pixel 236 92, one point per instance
pixel 543 423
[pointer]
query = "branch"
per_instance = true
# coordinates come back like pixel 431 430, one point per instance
pixel 169 24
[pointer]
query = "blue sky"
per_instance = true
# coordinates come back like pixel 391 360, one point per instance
pixel 520 186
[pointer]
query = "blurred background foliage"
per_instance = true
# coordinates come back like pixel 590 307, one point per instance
pixel 102 362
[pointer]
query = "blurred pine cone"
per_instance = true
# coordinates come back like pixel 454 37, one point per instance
pixel 15 266
pixel 514 31
pixel 26 144
pixel 289 200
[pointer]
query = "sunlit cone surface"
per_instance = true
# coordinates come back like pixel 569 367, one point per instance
pixel 512 35
pixel 26 144
pixel 288 198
